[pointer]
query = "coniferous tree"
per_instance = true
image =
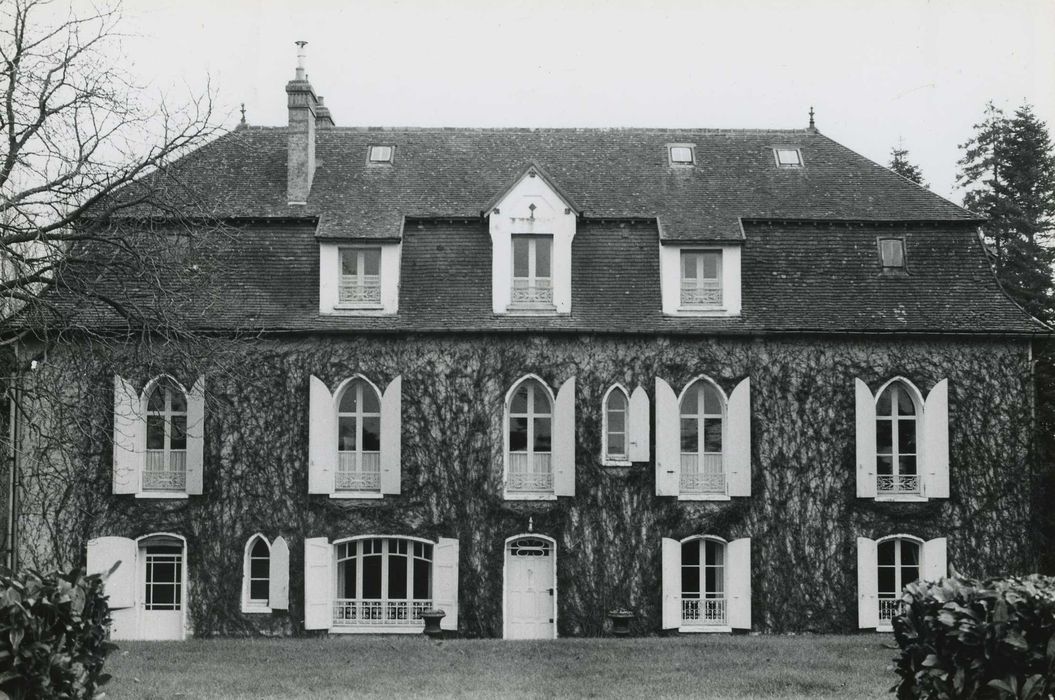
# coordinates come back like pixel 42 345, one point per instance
pixel 901 165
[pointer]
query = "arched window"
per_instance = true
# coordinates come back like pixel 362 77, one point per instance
pixel 529 428
pixel 382 581
pixel 358 438
pixel 256 574
pixel 702 437
pixel 897 427
pixel 703 589
pixel 616 422
pixel 166 457
pixel 898 560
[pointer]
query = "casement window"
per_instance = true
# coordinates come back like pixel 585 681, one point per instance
pixel 158 438
pixel 703 441
pixel 701 278
pixel 902 441
pixel 886 566
pixel 265 575
pixel 892 254
pixel 354 438
pixel 379 584
pixel 539 440
pixel 788 157
pixel 532 271
pixel 706 584
pixel 624 426
pixel 360 277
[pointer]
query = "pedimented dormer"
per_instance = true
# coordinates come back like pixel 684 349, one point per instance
pixel 532 225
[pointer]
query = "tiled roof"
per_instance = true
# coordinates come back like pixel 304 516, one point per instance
pixel 608 173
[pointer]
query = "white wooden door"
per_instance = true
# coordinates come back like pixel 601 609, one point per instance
pixel 530 593
pixel 162 595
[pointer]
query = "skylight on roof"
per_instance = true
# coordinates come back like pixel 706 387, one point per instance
pixel 788 157
pixel 681 154
pixel 381 154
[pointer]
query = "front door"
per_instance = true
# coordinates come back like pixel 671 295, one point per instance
pixel 530 593
pixel 161 586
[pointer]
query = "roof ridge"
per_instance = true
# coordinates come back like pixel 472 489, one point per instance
pixel 533 129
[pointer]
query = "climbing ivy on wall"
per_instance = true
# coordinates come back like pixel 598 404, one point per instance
pixel 803 517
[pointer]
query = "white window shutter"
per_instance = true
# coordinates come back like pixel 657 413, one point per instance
pixel 195 436
pixel 129 435
pixel 103 553
pixel 936 442
pixel 640 425
pixel 671 584
pixel 391 436
pixel 739 575
pixel 866 441
pixel 278 575
pixel 935 559
pixel 668 441
pixel 867 584
pixel 738 433
pixel 318 584
pixel 564 440
pixel 445 581
pixel 322 438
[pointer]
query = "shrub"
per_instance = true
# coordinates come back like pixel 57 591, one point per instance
pixel 52 634
pixel 962 638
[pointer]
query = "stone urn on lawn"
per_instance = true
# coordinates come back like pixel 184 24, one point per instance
pixel 432 618
pixel 621 618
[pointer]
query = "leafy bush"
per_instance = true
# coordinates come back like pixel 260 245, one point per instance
pixel 962 638
pixel 52 634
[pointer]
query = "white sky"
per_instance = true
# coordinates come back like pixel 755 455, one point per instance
pixel 876 72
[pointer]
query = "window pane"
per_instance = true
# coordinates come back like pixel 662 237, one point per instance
pixel 259 590
pixel 710 265
pixel 542 434
pixel 156 402
pixel 519 403
pixel 788 156
pixel 690 552
pixel 371 261
pixel 907 465
pixel 178 430
pixel 690 580
pixel 906 436
pixel 346 434
pixel 349 400
pixel 883 405
pixel 422 580
pixel 397 575
pixel 179 401
pixel 349 263
pixel 616 401
pixel 884 436
pixel 690 441
pixel 711 580
pixel 349 578
pixel 688 266
pixel 380 154
pixel 712 435
pixel 909 552
pixel 715 552
pixel 372 576
pixel 518 434
pixel 905 406
pixel 885 465
pixel 371 434
pixel 541 400
pixel 520 256
pixel 712 402
pixel 887 582
pixel 370 401
pixel 616 421
pixel 155 432
pixel 616 444
pixel 542 256
pixel 680 154
pixel 258 568
pixel 909 574
pixel 259 549
pixel 885 552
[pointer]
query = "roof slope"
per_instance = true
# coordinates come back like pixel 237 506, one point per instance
pixel 607 172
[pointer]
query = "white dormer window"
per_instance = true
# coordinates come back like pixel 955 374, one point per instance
pixel 381 154
pixel 701 278
pixel 532 271
pixel 360 277
pixel 788 157
pixel 681 154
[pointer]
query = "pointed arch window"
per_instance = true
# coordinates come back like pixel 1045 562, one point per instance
pixel 166 437
pixel 702 412
pixel 359 438
pixel 616 427
pixel 529 431
pixel 256 575
pixel 897 451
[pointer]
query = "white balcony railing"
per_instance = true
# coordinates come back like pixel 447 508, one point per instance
pixel 705 476
pixel 897 484
pixel 364 291
pixel 359 612
pixel 532 292
pixel 701 292
pixel 703 611
pixel 358 471
pixel 530 473
pixel 889 607
pixel 161 474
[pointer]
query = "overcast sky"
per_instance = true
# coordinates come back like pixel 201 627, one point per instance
pixel 877 73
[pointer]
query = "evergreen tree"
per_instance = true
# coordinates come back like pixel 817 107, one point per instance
pixel 1008 169
pixel 901 165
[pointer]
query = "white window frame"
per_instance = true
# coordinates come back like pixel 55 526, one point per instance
pixel 721 603
pixel 608 459
pixel 385 614
pixel 777 150
pixel 895 489
pixel 699 254
pixel 512 492
pixel 899 584
pixel 360 488
pixel 376 149
pixel 367 288
pixel 539 290
pixel 701 418
pixel 690 147
pixel 249 604
pixel 168 456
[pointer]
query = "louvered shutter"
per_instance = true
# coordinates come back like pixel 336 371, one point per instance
pixel 867 584
pixel 103 553
pixel 129 437
pixel 668 441
pixel 391 437
pixel 935 559
pixel 738 449
pixel 278 575
pixel 195 436
pixel 445 581
pixel 671 584
pixel 318 584
pixel 866 441
pixel 322 437
pixel 564 440
pixel 640 426
pixel 936 441
pixel 739 575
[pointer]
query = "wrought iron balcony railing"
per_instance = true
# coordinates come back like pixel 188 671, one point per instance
pixel 703 611
pixel 532 292
pixel 701 292
pixel 165 471
pixel 358 471
pixel 897 484
pixel 360 291
pixel 705 476
pixel 530 473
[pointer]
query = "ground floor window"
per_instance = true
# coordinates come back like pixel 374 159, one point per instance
pixel 898 564
pixel 164 577
pixel 703 599
pixel 382 581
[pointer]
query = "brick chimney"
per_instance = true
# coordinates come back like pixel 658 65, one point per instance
pixel 300 154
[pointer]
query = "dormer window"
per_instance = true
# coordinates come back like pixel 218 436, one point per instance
pixel 701 278
pixel 788 157
pixel 892 254
pixel 360 284
pixel 381 154
pixel 681 154
pixel 532 271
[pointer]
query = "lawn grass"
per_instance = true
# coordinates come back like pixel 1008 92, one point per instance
pixel 702 666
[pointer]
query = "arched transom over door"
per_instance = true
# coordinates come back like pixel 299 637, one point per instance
pixel 530 583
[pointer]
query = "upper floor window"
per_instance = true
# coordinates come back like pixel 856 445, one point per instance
pixel 681 154
pixel 381 154
pixel 788 157
pixel 532 271
pixel 530 427
pixel 892 253
pixel 616 427
pixel 166 458
pixel 896 448
pixel 360 284
pixel 702 436
pixel 701 278
pixel 358 438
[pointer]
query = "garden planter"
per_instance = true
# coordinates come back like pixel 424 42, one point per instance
pixel 432 623
pixel 621 622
